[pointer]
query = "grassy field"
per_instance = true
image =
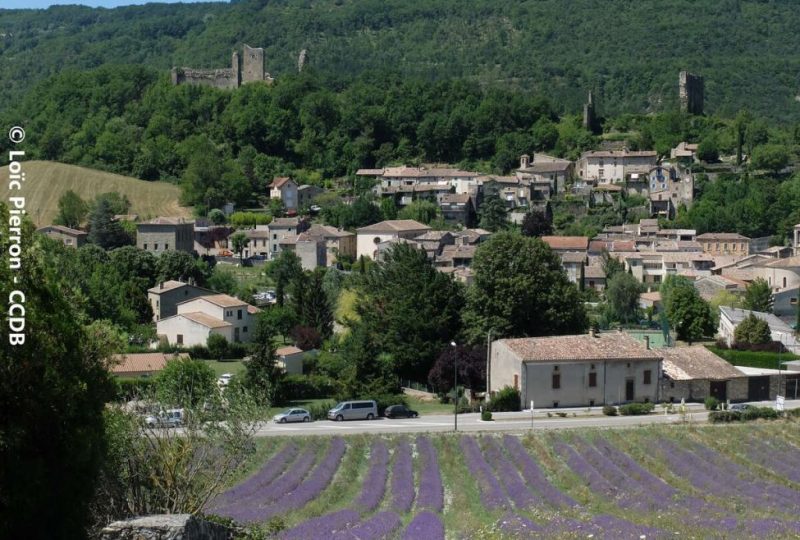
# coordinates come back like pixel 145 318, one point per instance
pixel 46 181
pixel 756 359
pixel 234 367
pixel 683 481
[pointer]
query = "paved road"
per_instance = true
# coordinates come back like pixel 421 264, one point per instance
pixel 468 423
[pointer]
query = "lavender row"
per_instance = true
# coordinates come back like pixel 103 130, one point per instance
pixel 493 494
pixel 431 492
pixel 381 525
pixel 271 469
pixel 584 469
pixel 425 525
pixel 319 479
pixel 402 478
pixel 778 460
pixel 375 482
pixel 517 491
pixel 323 526
pixel 247 510
pixel 534 475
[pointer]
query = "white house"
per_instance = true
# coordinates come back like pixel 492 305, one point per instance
pixel 729 319
pixel 615 166
pixel 200 317
pixel 368 238
pixel 285 189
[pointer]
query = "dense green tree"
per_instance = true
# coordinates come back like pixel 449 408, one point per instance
pixel 773 157
pixel 53 389
pixel 186 383
pixel 410 309
pixel 688 314
pixel 217 346
pixel 134 264
pixel 520 289
pixel 493 213
pixel 311 304
pixel 72 210
pixel 222 281
pixel 281 319
pixel 420 210
pixel 752 331
pixel 181 266
pixel 388 208
pixel 284 270
pixel 758 296
pixel 535 223
pixel 611 265
pixel 622 292
pixel 104 230
pixel 217 216
pixel 239 241
pixel 262 373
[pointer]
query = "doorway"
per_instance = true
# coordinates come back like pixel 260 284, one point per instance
pixel 629 390
pixel 719 390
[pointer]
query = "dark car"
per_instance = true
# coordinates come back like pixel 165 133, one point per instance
pixel 399 411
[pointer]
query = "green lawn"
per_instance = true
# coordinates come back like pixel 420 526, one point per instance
pixel 234 366
pixel 755 359
pixel 429 407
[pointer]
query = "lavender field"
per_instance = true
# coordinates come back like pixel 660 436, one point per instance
pixel 657 482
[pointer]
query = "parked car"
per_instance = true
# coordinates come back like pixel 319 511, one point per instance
pixel 399 411
pixel 741 407
pixel 167 419
pixel 292 415
pixel 354 410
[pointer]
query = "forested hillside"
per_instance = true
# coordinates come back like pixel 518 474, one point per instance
pixel 628 51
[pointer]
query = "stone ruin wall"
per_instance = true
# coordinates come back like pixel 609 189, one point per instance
pixel 249 69
pixel 690 92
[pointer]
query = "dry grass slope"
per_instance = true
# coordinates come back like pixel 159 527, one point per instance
pixel 47 181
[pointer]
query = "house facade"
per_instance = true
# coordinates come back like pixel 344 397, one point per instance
pixel 370 236
pixel 165 234
pixel 614 166
pixel 165 297
pixel 695 373
pixel 724 244
pixel 199 318
pixel 576 371
pixel 69 237
pixel 285 189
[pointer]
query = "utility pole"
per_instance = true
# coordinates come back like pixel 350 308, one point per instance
pixel 455 385
pixel 488 365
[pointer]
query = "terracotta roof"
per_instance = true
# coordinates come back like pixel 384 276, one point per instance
pixel 252 234
pixel 285 222
pixel 252 310
pixel 141 362
pixel 596 246
pixel 202 318
pixel 289 239
pixel 432 236
pixel 369 172
pixel 284 351
pixel 456 198
pixel 394 225
pixel 546 167
pixel 696 362
pixel 653 296
pixel 221 300
pixel 603 346
pixel 720 236
pixel 608 187
pixel 567 242
pixel 279 182
pixel 573 257
pixel 423 172
pixel 171 285
pixel 789 262
pixel 594 272
pixel 619 153
pixel 62 230
pixel 326 231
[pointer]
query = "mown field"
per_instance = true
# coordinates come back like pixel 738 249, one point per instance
pixel 47 181
pixel 655 482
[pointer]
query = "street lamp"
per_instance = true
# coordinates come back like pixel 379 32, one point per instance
pixel 455 385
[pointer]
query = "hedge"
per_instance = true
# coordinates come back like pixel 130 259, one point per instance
pixel 752 413
pixel 636 409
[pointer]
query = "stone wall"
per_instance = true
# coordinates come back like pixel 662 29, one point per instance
pixel 218 78
pixel 690 92
pixel 252 64
pixel 166 527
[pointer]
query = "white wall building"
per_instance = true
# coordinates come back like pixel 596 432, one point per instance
pixel 200 317
pixel 369 237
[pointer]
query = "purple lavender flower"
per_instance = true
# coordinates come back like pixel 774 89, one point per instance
pixel 322 527
pixel 425 525
pixel 379 526
pixel 402 478
pixel 493 494
pixel 375 482
pixel 534 475
pixel 518 492
pixel 431 493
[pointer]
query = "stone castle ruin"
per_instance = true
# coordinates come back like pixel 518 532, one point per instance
pixel 248 68
pixel 690 92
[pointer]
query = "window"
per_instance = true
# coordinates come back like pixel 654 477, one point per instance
pixel 784 282
pixel 516 381
pixel 591 403
pixel 239 314
pixel 155 246
pixel 793 301
pixel 274 236
pixel 186 292
pixel 555 404
pixel 244 329
pixel 166 247
pixel 556 381
pixel 157 303
pixel 592 380
pixel 144 247
pixel 647 376
pixel 180 339
pixel 229 313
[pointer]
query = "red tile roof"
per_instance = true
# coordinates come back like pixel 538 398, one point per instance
pixel 574 243
pixel 602 346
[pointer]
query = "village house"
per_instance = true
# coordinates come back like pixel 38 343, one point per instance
pixel 594 277
pixel 258 242
pixel 729 319
pixel 290 359
pixel 370 236
pixel 614 166
pixel 458 209
pixel 165 297
pixel 695 373
pixel 69 237
pixel 456 256
pixel 669 189
pixel 165 234
pixel 285 189
pixel 576 371
pixel 200 317
pixel 783 277
pixel 279 229
pixel 142 364
pixel 547 175
pixel 684 153
pixel 434 242
pixel 306 195
pixel 654 267
pixel 724 244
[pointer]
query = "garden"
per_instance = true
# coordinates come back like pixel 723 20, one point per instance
pixel 653 482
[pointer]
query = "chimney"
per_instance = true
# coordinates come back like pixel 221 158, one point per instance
pixel 647 342
pixel 161 285
pixel 524 160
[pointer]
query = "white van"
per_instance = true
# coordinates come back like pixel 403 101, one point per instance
pixel 354 410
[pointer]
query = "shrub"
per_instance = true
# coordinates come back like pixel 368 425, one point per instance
pixel 718 417
pixel 609 410
pixel 385 400
pixel 711 403
pixel 486 415
pixel 754 413
pixel 636 409
pixel 217 346
pixel 793 413
pixel 128 389
pixel 319 411
pixel 294 387
pixel 507 399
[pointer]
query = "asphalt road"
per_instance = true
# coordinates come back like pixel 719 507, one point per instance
pixel 469 423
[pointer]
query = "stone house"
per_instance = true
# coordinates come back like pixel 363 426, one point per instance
pixel 547 175
pixel 258 242
pixel 285 189
pixel 370 236
pixel 306 194
pixel 729 319
pixel 280 228
pixel 69 237
pixel 142 364
pixel 614 166
pixel 576 371
pixel 695 373
pixel 165 234
pixel 165 297
pixel 200 317
pixel 724 244
pixel 458 208
pixel 594 277
pixel 290 358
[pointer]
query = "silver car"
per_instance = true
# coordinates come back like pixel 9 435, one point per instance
pixel 292 415
pixel 354 410
pixel 168 419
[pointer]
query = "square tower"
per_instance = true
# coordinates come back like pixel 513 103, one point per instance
pixel 252 64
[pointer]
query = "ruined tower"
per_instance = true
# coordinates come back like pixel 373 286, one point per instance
pixel 690 92
pixel 236 68
pixel 252 64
